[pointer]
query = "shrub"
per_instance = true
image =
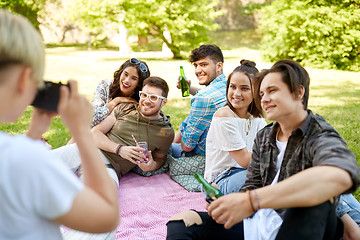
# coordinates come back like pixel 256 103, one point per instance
pixel 317 33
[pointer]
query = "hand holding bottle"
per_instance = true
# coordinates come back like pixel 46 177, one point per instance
pixel 184 84
pixel 178 82
pixel 211 191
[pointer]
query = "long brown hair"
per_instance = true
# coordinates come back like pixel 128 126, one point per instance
pixel 115 85
pixel 248 68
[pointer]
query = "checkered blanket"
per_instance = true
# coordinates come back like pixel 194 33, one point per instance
pixel 146 204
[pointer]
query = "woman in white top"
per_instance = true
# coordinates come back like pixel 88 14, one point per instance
pixel 37 190
pixel 232 132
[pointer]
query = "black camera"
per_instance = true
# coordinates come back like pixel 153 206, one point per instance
pixel 48 97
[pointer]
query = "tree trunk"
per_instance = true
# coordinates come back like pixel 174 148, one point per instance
pixel 143 41
pixel 174 49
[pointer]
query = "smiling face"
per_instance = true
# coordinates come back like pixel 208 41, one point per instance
pixel 129 80
pixel 207 70
pixel 277 101
pixel 149 109
pixel 239 93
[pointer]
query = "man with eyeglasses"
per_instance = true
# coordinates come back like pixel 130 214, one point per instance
pixel 129 123
pixel 190 140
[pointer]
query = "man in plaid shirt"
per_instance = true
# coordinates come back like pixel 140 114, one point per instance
pixel 191 138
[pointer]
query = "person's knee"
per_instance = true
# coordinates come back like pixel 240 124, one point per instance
pixel 189 218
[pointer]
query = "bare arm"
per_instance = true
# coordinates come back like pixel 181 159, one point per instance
pixel 306 188
pixel 130 153
pixel 113 103
pixel 99 131
pixel 193 90
pixel 95 209
pixel 242 157
pixel 351 229
pixel 177 138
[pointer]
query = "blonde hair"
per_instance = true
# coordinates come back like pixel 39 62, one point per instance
pixel 21 43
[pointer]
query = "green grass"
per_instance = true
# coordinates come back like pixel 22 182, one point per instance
pixel 333 94
pixel 177 109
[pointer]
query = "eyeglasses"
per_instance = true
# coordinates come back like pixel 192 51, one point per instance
pixel 143 67
pixel 153 98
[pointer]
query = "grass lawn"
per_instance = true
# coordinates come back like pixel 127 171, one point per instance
pixel 333 94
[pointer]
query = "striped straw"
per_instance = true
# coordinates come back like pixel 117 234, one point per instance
pixel 134 139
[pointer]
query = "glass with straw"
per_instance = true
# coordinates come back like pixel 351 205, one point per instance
pixel 144 146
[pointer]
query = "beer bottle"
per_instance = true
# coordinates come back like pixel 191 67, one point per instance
pixel 211 191
pixel 184 85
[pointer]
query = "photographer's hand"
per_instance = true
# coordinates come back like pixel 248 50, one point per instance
pixel 40 122
pixel 75 110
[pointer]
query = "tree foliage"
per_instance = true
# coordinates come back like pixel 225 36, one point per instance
pixel 93 16
pixel 187 21
pixel 28 8
pixel 318 33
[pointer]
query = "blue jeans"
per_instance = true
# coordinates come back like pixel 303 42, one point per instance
pixel 177 151
pixel 231 180
pixel 348 204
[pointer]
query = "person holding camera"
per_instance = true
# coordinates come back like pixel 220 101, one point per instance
pixel 37 190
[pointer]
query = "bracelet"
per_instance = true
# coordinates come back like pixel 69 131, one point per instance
pixel 249 203
pixel 118 149
pixel 257 199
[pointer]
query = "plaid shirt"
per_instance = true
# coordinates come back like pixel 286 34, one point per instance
pixel 204 104
pixel 99 101
pixel 314 143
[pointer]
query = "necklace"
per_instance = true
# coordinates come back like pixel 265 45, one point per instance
pixel 248 121
pixel 248 124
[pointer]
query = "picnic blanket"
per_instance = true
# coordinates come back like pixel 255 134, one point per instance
pixel 146 204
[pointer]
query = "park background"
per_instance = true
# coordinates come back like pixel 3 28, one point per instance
pixel 88 40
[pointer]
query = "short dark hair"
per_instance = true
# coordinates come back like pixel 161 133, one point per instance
pixel 115 85
pixel 248 68
pixel 210 50
pixel 293 75
pixel 157 82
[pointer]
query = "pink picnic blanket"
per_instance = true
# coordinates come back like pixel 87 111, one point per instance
pixel 147 203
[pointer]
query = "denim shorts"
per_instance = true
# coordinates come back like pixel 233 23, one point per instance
pixel 178 152
pixel 348 204
pixel 231 180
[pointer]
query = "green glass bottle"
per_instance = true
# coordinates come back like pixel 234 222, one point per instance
pixel 211 191
pixel 184 85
